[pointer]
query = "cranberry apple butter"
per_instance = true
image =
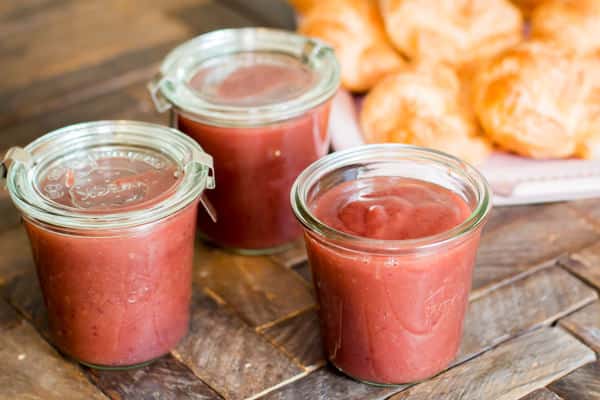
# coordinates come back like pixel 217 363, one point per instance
pixel 391 232
pixel 110 211
pixel 258 100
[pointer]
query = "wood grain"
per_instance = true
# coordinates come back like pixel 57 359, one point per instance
pixel 582 384
pixel 299 337
pixel 303 269
pixel 165 379
pixel 294 255
pixel 500 216
pixel 538 299
pixel 78 34
pixel 10 216
pixel 535 300
pixel 585 263
pixel 31 369
pixel 15 254
pixel 23 292
pixel 590 208
pixel 585 324
pixel 75 75
pixel 518 247
pixel 510 371
pixel 131 102
pixel 259 289
pixel 228 355
pixel 328 384
pixel 221 349
pixel 541 394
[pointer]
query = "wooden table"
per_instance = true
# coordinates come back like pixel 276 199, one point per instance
pixel 533 325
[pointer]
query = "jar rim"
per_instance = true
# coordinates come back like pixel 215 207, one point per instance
pixel 171 89
pixel 309 177
pixel 192 161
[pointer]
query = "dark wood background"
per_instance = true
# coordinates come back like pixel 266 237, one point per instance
pixel 533 326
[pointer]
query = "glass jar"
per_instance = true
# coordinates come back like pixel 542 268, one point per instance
pixel 392 311
pixel 110 210
pixel 258 100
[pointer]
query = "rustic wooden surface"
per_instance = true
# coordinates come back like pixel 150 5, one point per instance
pixel 533 326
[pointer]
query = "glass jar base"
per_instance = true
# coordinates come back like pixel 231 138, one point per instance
pixel 379 384
pixel 118 367
pixel 249 252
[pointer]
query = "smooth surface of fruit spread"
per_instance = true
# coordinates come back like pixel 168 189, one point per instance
pixel 115 298
pixel 391 317
pixel 256 166
pixel 390 208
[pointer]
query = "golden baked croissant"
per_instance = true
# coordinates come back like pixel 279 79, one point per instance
pixel 422 106
pixel 527 6
pixel 354 28
pixel 455 31
pixel 535 100
pixel 573 24
pixel 302 6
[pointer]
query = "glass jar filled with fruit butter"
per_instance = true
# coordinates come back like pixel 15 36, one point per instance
pixel 258 100
pixel 391 233
pixel 110 210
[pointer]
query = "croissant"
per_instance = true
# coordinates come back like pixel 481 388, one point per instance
pixel 423 106
pixel 454 31
pixel 355 30
pixel 573 24
pixel 527 6
pixel 302 6
pixel 537 100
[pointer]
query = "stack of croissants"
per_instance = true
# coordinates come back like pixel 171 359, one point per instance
pixel 467 76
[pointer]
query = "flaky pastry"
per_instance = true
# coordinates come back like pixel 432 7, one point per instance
pixel 527 6
pixel 355 30
pixel 454 31
pixel 302 6
pixel 536 100
pixel 572 24
pixel 423 106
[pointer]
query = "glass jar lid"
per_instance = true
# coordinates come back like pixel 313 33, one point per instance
pixel 246 77
pixel 107 175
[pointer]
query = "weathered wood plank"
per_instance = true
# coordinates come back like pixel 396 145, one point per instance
pixel 132 102
pixel 128 62
pixel 521 245
pixel 535 300
pixel 303 270
pixel 585 263
pixel 292 256
pixel 541 394
pixel 221 349
pixel 500 216
pixel 88 33
pixel 328 383
pixel 299 337
pixel 228 355
pixel 32 369
pixel 260 290
pixel 585 324
pixel 510 371
pixel 10 216
pixel 589 208
pixel 165 379
pixel 277 14
pixel 15 254
pixel 582 384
